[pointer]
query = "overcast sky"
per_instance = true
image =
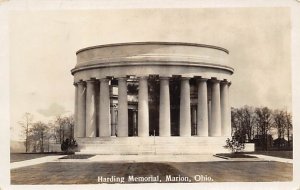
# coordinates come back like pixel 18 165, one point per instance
pixel 43 46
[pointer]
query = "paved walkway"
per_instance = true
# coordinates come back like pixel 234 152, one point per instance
pixel 272 158
pixel 35 161
pixel 145 158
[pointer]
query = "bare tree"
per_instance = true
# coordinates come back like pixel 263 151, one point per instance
pixel 280 122
pixel 64 127
pixel 69 126
pixel 26 124
pixel 289 126
pixel 235 124
pixel 238 130
pixel 256 124
pixel 38 132
pixel 280 125
pixel 53 131
pixel 59 122
pixel 243 122
pixel 264 123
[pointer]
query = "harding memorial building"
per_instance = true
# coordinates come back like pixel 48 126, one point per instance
pixel 152 98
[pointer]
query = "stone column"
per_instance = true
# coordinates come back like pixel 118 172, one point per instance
pixel 202 114
pixel 104 117
pixel 122 108
pixel 185 108
pixel 164 108
pixel 75 112
pixel 215 109
pixel 81 109
pixel 143 108
pixel 113 120
pixel 90 114
pixel 225 110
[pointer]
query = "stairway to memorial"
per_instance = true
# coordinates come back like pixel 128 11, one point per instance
pixel 151 145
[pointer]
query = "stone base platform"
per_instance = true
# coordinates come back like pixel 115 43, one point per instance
pixel 152 145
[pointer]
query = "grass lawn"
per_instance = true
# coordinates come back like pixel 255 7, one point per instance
pixel 240 171
pixel 87 173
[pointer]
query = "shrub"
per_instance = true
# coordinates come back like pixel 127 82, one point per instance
pixel 69 145
pixel 234 145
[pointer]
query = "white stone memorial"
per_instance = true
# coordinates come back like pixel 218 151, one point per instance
pixel 111 119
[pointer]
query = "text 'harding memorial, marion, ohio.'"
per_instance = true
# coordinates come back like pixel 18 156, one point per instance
pixel 152 98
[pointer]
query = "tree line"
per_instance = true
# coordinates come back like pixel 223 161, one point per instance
pixel 39 135
pixel 268 129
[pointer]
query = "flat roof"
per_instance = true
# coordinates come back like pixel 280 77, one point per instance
pixel 154 43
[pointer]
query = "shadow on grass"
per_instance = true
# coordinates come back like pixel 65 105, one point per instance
pixel 234 155
pixel 78 156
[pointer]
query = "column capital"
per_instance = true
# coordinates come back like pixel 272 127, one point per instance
pixel 104 79
pixel 214 80
pixel 122 78
pixel 91 81
pixel 201 79
pixel 81 82
pixel 224 82
pixel 187 76
pixel 165 76
pixel 142 77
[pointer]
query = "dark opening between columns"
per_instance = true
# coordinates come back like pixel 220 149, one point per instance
pixel 175 104
pixel 153 90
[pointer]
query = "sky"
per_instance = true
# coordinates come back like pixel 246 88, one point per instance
pixel 43 46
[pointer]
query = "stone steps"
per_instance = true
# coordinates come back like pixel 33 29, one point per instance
pixel 151 145
pixel 150 139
